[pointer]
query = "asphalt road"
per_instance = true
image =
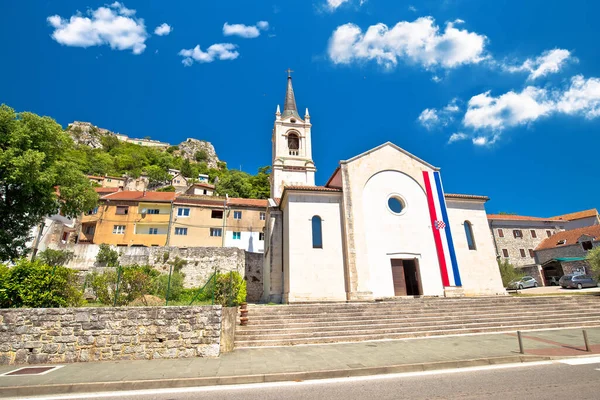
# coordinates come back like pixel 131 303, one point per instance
pixel 532 382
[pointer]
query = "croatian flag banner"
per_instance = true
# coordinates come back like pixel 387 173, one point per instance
pixel 441 229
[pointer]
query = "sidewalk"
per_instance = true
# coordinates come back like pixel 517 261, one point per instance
pixel 302 363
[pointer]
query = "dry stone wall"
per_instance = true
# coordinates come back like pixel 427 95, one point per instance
pixel 61 335
pixel 201 262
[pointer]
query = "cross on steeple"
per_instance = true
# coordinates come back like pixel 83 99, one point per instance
pixel 289 72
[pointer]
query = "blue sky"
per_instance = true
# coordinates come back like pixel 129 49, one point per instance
pixel 503 96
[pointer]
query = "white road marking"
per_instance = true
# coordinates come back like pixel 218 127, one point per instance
pixel 127 393
pixel 581 361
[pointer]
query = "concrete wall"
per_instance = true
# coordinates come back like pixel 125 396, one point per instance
pixel 478 268
pixel 582 222
pixel 273 258
pixel 313 274
pixel 228 323
pixel 61 335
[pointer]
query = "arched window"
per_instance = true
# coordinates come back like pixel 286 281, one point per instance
pixel 293 144
pixel 317 234
pixel 470 236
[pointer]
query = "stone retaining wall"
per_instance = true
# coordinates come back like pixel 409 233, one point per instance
pixel 63 335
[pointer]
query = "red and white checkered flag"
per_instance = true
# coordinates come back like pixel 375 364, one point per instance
pixel 440 225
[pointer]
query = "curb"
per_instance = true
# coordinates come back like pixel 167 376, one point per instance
pixel 92 387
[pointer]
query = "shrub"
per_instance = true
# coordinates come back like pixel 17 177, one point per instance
pixel 134 281
pixel 593 258
pixel 201 155
pixel 169 188
pixel 230 289
pixel 107 256
pixel 176 289
pixel 508 272
pixel 55 257
pixel 35 284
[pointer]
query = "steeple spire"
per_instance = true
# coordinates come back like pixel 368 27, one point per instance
pixel 289 107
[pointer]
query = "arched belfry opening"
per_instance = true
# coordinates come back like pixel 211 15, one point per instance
pixel 293 144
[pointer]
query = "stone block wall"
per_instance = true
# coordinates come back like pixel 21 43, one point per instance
pixel 62 335
pixel 254 277
pixel 201 261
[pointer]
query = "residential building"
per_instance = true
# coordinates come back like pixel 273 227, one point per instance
pixel 516 236
pixel 129 218
pixel 180 183
pixel 381 227
pixel 201 188
pixel 580 219
pixel 108 181
pixel 217 221
pixel 142 142
pixel 565 252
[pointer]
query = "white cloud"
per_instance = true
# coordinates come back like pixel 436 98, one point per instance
pixel 163 29
pixel 458 136
pixel 431 118
pixel 549 62
pixel 412 8
pixel 245 31
pixel 484 141
pixel 509 109
pixel 219 51
pixel 420 41
pixel 581 98
pixel 334 4
pixel 490 115
pixel 114 25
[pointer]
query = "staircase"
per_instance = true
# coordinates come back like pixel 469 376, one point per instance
pixel 288 325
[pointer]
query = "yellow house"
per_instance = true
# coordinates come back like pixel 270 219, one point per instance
pixel 129 218
pixel 216 221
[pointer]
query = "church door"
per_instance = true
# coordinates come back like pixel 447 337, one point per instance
pixel 406 277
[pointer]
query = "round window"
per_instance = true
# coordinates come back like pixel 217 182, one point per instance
pixel 396 205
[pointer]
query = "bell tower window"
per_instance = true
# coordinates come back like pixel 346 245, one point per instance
pixel 293 144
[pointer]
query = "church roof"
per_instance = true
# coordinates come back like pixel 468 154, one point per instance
pixel 465 196
pixel 313 188
pixel 289 107
pixel 400 149
pixel 579 215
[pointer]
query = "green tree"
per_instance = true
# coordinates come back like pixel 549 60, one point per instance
pixel 201 155
pixel 55 257
pixel 508 272
pixel 235 184
pixel 186 169
pixel 593 258
pixel 157 175
pixel 36 180
pixel 261 184
pixel 107 256
pixel 109 142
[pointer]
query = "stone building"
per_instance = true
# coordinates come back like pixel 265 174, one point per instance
pixel 565 252
pixel 516 236
pixel 381 227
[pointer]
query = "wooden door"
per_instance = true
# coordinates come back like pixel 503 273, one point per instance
pixel 398 278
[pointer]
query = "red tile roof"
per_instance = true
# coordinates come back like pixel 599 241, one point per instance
pixel 508 217
pixel 465 196
pixel 204 184
pixel 579 215
pixel 313 188
pixel 134 195
pixel 219 201
pixel 106 190
pixel 570 237
pixel 95 177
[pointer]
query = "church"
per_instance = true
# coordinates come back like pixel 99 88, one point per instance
pixel 382 226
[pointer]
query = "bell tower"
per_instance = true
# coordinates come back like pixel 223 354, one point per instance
pixel 292 146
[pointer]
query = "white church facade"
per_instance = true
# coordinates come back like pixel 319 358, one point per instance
pixel 382 226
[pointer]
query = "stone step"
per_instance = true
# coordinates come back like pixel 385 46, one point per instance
pixel 408 306
pixel 398 328
pixel 391 336
pixel 384 313
pixel 414 322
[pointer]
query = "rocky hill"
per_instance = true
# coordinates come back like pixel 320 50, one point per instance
pixel 195 150
pixel 199 150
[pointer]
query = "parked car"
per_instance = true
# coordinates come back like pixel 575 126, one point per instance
pixel 522 283
pixel 553 281
pixel 577 281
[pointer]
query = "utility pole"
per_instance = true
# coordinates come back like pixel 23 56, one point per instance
pixel 36 244
pixel 169 226
pixel 224 219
